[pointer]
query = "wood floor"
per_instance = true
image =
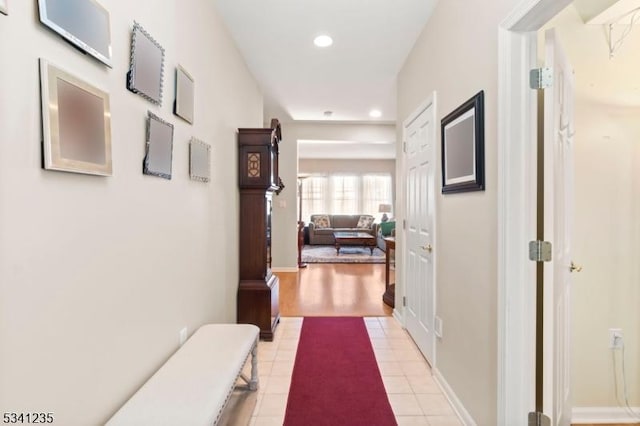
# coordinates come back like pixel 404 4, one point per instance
pixel 333 289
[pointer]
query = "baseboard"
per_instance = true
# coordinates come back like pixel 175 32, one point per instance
pixel 599 415
pixel 459 409
pixel 399 317
pixel 285 269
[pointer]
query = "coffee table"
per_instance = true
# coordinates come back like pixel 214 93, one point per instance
pixel 354 239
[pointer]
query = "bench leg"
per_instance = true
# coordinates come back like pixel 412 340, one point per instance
pixel 253 383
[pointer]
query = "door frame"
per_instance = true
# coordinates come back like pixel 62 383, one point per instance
pixel 517 175
pixel 399 311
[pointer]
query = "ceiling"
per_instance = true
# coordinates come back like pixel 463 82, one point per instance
pixel 371 40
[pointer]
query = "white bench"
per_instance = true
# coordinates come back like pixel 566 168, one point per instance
pixel 194 385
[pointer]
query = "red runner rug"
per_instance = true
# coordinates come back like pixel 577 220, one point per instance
pixel 336 381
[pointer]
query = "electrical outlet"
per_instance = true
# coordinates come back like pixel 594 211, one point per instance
pixel 615 338
pixel 183 336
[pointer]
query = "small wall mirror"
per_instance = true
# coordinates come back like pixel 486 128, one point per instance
pixel 146 71
pixel 159 147
pixel 199 160
pixel 183 106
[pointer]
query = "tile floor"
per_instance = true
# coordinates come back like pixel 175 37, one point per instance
pixel 415 397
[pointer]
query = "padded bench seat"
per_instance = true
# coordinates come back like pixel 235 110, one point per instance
pixel 194 385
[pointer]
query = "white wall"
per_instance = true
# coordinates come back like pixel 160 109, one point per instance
pixel 606 294
pixel 99 274
pixel 456 56
pixel 346 166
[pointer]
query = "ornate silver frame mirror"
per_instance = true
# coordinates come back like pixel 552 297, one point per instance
pixel 159 147
pixel 76 123
pixel 183 106
pixel 199 160
pixel 146 71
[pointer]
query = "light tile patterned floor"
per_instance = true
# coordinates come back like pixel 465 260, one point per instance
pixel 415 397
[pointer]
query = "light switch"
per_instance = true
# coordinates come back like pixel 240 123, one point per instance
pixel 282 204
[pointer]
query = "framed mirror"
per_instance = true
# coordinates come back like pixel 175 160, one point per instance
pixel 83 23
pixel 199 160
pixel 183 106
pixel 159 147
pixel 76 123
pixel 146 71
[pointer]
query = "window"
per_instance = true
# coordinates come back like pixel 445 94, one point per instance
pixel 314 190
pixel 376 190
pixel 346 194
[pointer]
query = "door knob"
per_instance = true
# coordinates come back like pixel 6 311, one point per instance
pixel 427 248
pixel 574 267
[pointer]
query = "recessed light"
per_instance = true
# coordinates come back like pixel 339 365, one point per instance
pixel 323 41
pixel 375 113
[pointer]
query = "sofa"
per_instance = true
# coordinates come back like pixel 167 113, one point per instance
pixel 322 226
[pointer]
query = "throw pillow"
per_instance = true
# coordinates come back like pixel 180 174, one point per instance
pixel 321 221
pixel 386 228
pixel 365 222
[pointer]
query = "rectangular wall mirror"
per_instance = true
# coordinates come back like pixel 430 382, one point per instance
pixel 76 123
pixel 199 160
pixel 146 71
pixel 183 106
pixel 159 147
pixel 83 23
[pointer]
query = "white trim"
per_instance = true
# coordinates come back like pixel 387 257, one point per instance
pixel 603 415
pixel 517 171
pixel 516 226
pixel 455 402
pixel 285 269
pixel 399 316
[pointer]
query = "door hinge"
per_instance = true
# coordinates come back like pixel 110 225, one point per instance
pixel 541 78
pixel 540 251
pixel 404 146
pixel 404 224
pixel 404 300
pixel 538 419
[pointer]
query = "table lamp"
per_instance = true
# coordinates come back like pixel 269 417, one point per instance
pixel 384 209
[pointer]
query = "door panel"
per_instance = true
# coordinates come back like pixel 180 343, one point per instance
pixel 558 220
pixel 420 289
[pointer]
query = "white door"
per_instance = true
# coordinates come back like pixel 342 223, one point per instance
pixel 419 135
pixel 558 222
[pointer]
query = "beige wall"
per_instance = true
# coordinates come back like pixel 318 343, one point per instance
pixel 285 214
pixel 99 274
pixel 456 56
pixel 606 294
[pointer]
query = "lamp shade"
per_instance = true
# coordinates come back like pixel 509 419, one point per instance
pixel 384 208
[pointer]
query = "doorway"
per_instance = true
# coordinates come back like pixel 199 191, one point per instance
pixel 517 176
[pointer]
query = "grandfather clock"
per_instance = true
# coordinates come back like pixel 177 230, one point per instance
pixel 259 179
